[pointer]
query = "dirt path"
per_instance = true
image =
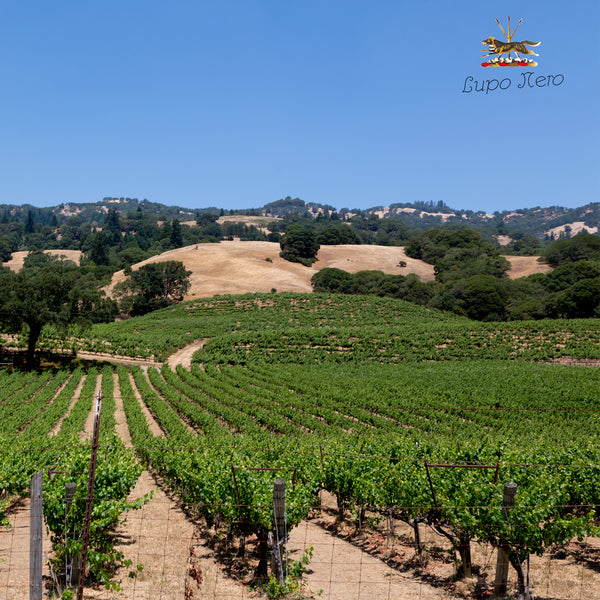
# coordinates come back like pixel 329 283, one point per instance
pixel 119 360
pixel 152 423
pixel 88 428
pixel 76 396
pixel 180 357
pixel 343 571
pixel 569 573
pixel 14 554
pixel 121 428
pixel 162 539
pixel 62 386
pixel 184 356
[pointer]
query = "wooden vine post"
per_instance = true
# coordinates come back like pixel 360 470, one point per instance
pixel 35 537
pixel 265 538
pixel 419 546
pixel 502 562
pixel 277 536
pixel 72 563
pixel 464 549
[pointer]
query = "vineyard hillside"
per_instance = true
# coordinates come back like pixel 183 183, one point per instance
pixel 315 327
pixel 380 416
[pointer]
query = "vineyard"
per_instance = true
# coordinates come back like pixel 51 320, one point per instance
pixel 318 327
pixel 397 413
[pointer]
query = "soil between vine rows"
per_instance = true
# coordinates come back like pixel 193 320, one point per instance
pixel 333 568
pixel 173 548
pixel 179 561
pixel 369 565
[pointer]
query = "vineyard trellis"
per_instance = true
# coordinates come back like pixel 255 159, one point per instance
pixel 347 410
pixel 391 544
pixel 367 470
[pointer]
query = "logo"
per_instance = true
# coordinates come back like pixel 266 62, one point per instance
pixel 497 49
pixel 502 53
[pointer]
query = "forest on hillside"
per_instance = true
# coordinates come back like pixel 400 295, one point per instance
pixel 470 269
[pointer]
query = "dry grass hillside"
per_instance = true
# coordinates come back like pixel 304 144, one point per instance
pixel 522 266
pixel 18 258
pixel 234 267
pixel 241 267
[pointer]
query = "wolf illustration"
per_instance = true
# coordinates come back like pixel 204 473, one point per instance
pixel 497 47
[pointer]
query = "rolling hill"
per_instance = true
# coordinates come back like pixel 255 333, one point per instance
pixel 234 267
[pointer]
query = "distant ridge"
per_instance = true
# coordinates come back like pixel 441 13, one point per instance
pixel 553 221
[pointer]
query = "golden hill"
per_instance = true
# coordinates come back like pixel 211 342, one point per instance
pixel 18 258
pixel 234 267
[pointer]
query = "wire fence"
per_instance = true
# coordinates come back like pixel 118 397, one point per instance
pixel 174 555
pixel 171 553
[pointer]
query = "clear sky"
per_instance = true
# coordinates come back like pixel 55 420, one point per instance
pixel 236 103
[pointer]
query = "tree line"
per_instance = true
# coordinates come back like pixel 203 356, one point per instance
pixel 119 240
pixel 50 290
pixel 471 279
pixel 470 274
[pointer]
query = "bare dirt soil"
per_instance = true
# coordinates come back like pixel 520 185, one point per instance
pixel 574 228
pixel 570 573
pixel 162 538
pixel 340 570
pixel 14 553
pixel 184 356
pixel 154 427
pixel 76 395
pixel 88 428
pixel 176 564
pixel 121 360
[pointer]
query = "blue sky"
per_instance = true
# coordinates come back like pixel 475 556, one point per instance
pixel 239 102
